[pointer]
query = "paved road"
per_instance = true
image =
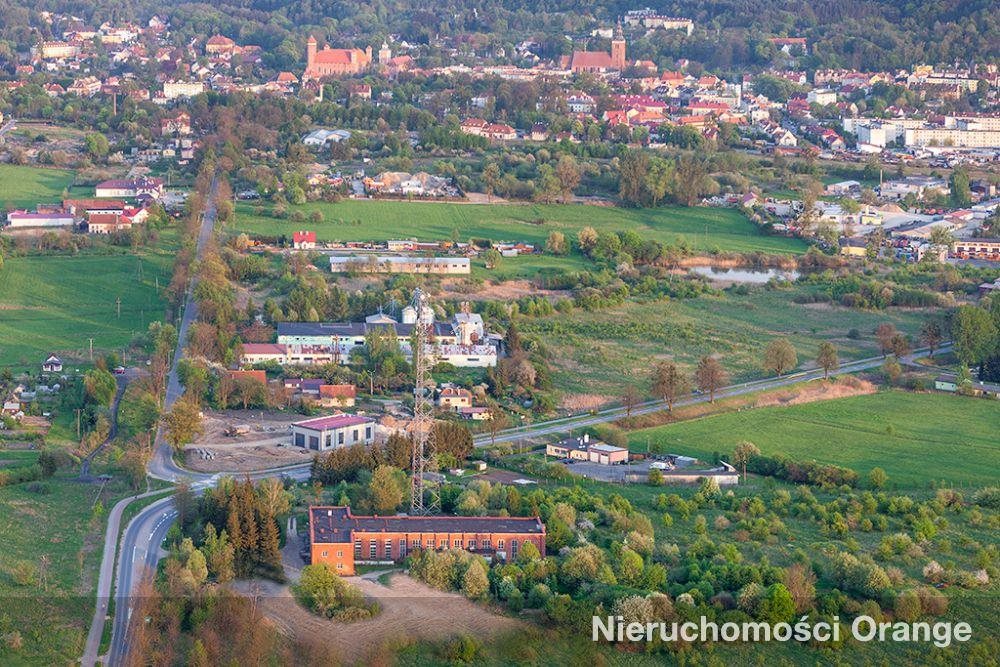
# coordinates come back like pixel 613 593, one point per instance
pixel 140 549
pixel 613 414
pixel 161 466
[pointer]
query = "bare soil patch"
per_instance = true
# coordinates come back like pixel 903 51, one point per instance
pixel 510 289
pixel 410 610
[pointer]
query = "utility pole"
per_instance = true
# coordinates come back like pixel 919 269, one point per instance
pixel 91 348
pixel 118 306
pixel 78 410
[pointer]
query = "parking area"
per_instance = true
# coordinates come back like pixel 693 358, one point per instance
pixel 631 472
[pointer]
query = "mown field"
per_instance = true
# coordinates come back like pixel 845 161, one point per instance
pixel 56 303
pixel 595 352
pixel 24 187
pixel 48 571
pixel 915 438
pixel 352 220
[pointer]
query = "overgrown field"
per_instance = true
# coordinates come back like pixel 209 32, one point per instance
pixel 595 352
pixel 24 187
pixel 915 438
pixel 352 220
pixel 52 542
pixel 56 303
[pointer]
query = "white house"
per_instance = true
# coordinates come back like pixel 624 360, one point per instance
pixel 52 364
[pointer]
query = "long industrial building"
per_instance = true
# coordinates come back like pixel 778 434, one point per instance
pixel 343 540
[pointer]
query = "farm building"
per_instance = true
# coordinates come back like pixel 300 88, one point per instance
pixel 582 449
pixel 343 540
pixel 332 432
pixel 17 219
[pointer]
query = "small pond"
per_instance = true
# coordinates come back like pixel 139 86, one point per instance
pixel 744 276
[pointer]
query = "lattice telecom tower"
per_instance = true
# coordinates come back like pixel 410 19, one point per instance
pixel 422 455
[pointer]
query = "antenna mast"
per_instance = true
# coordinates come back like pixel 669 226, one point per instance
pixel 422 455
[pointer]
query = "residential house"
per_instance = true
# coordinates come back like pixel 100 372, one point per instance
pixel 52 364
pixel 337 395
pixel 454 398
pixel 303 240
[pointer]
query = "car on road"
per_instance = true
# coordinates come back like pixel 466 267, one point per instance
pixel 119 370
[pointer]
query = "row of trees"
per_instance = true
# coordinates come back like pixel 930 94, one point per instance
pixel 668 383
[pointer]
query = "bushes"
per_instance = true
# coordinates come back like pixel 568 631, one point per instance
pixel 20 474
pixel 324 593
pixel 808 472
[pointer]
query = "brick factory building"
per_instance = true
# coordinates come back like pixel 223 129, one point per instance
pixel 342 540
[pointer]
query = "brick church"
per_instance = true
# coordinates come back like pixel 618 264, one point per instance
pixel 334 62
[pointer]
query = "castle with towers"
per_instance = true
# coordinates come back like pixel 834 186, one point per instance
pixel 325 62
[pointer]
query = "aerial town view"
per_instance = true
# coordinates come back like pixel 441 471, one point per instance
pixel 499 333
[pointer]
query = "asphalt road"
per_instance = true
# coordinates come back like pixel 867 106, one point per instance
pixel 161 466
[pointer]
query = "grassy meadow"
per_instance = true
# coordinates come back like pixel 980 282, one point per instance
pixel 55 303
pixel 50 604
pixel 24 187
pixel 355 220
pixel 915 438
pixel 594 352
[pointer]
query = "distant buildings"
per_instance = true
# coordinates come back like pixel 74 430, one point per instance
pixel 130 188
pixel 393 264
pixel 461 342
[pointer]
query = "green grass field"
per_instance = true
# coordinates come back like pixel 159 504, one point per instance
pixel 352 220
pixel 915 438
pixel 52 607
pixel 56 303
pixel 24 187
pixel 595 352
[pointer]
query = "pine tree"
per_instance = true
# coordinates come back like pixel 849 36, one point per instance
pixel 270 550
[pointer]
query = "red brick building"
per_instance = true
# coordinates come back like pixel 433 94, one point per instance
pixel 342 540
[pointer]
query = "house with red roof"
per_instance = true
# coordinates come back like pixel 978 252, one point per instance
pixel 303 240
pixel 337 395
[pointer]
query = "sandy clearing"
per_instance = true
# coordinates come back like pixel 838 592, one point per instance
pixel 409 611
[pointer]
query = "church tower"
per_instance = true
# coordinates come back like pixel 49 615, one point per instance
pixel 384 54
pixel 618 48
pixel 310 52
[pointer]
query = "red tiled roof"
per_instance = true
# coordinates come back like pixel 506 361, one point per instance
pixel 260 376
pixel 299 237
pixel 338 391
pixel 591 60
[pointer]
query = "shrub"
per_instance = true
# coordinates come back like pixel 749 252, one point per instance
pixel 988 497
pixel 907 606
